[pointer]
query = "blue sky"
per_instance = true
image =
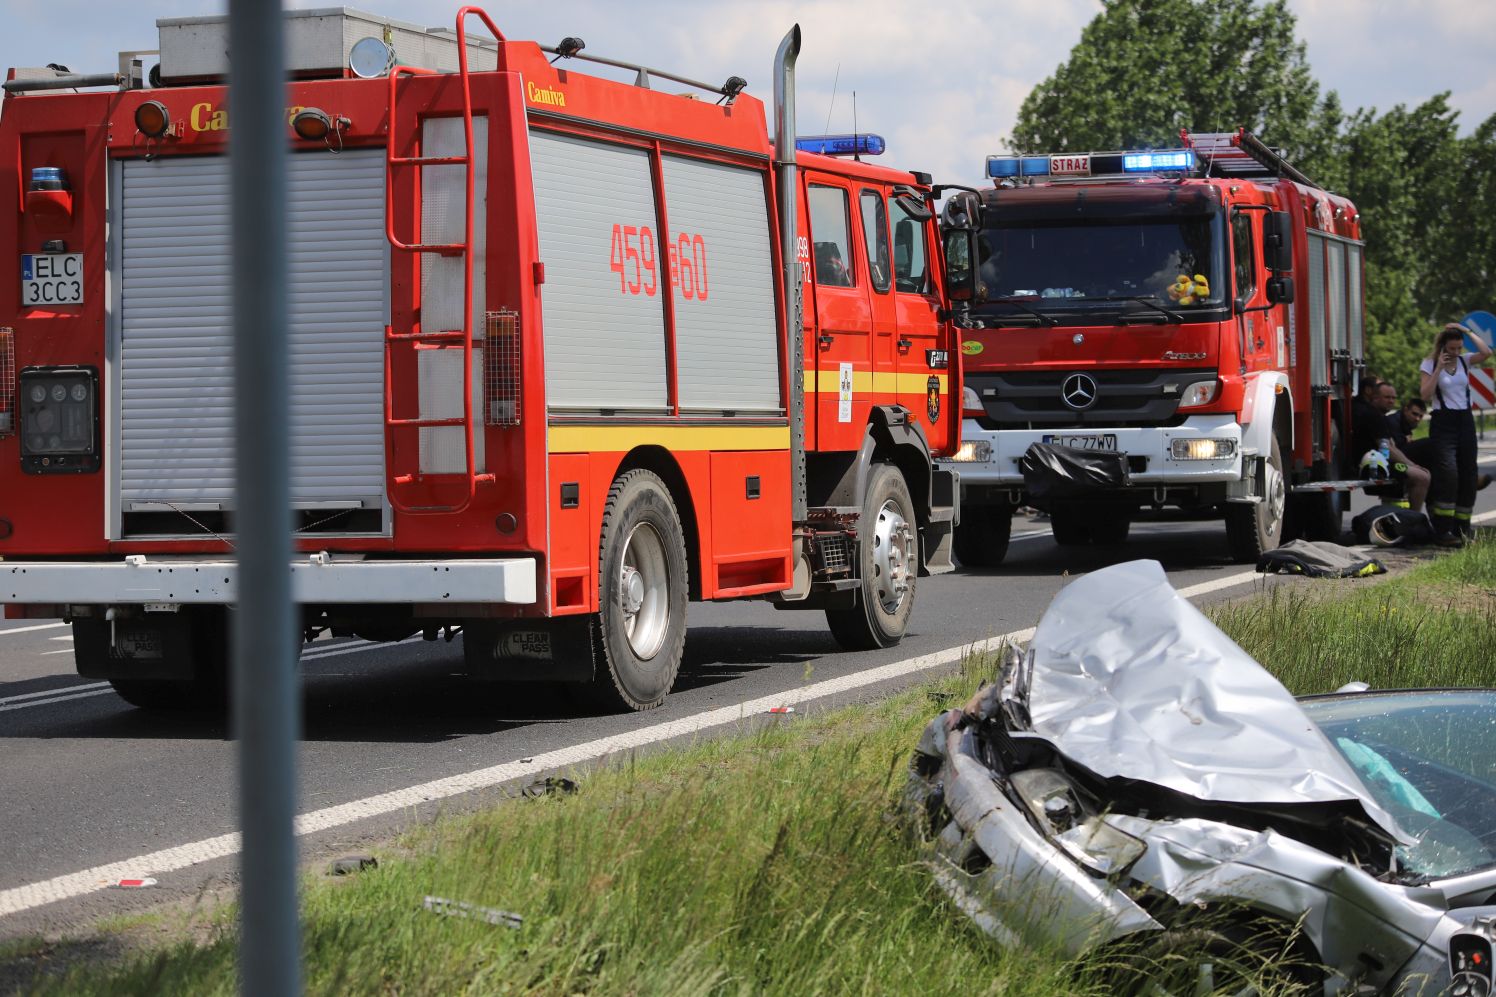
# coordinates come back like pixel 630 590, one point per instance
pixel 942 81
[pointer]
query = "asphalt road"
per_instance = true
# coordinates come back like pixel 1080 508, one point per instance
pixel 91 784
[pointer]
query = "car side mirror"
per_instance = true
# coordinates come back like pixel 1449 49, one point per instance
pixel 1280 290
pixel 1277 244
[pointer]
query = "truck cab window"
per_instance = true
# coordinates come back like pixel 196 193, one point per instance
pixel 875 235
pixel 1242 248
pixel 831 234
pixel 1076 269
pixel 910 261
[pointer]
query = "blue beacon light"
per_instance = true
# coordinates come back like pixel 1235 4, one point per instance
pixel 1002 167
pixel 1153 162
pixel 863 144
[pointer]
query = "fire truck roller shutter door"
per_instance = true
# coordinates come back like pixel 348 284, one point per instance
pixel 602 306
pixel 170 263
pixel 726 338
pixel 443 221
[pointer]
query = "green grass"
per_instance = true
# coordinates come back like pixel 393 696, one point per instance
pixel 768 863
pixel 1432 626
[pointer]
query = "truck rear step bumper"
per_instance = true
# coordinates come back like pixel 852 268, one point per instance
pixel 319 579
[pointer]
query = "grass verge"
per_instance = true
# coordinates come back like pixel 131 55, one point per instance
pixel 767 863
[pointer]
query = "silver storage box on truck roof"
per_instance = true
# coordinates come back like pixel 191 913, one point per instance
pixel 317 44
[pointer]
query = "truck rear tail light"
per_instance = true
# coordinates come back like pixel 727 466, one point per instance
pixel 501 369
pixel 59 420
pixel 1199 393
pixel 1202 449
pixel 7 382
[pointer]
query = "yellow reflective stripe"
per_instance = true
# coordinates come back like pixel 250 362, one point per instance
pixel 878 382
pixel 611 438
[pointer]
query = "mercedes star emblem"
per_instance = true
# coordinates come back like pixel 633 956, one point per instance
pixel 1078 391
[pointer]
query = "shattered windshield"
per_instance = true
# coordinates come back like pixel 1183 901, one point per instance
pixel 1068 269
pixel 1429 758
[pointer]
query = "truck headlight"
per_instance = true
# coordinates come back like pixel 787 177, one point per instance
pixel 1198 393
pixel 59 420
pixel 975 450
pixel 1202 449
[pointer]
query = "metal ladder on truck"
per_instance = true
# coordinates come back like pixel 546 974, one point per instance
pixel 464 249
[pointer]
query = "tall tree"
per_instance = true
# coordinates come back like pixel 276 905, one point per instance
pixel 1146 68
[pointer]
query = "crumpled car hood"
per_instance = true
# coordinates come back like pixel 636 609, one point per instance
pixel 1129 680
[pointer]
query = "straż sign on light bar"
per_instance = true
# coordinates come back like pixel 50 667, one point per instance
pixel 1178 159
pixel 1070 166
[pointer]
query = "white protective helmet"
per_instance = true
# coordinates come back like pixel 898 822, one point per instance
pixel 1374 466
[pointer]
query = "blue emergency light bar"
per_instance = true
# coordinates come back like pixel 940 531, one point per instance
pixel 1000 167
pixel 1090 164
pixel 842 145
pixel 1158 162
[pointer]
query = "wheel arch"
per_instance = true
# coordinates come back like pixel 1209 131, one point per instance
pixel 1270 394
pixel 663 464
pixel 840 479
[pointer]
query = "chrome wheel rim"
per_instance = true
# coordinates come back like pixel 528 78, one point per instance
pixel 644 591
pixel 893 557
pixel 1275 499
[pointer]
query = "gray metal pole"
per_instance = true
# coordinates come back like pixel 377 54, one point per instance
pixel 266 694
pixel 789 260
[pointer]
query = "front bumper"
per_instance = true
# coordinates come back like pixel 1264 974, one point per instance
pixel 320 579
pixel 1148 449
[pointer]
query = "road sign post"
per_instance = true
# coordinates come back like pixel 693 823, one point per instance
pixel 266 705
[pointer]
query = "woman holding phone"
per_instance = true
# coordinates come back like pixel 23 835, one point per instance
pixel 1445 385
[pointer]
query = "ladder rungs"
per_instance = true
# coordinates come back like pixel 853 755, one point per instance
pixel 426 423
pixel 429 160
pixel 445 249
pixel 449 334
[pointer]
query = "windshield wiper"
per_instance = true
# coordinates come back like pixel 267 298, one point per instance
pixel 1048 320
pixel 1145 299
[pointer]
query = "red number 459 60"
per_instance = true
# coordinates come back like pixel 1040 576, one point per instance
pixel 632 255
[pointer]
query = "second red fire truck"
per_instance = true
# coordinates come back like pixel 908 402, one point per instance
pixel 1158 328
pixel 549 380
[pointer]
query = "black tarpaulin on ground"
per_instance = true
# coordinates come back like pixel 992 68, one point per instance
pixel 1319 560
pixel 1051 471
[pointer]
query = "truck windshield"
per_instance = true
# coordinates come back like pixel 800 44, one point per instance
pixel 1100 269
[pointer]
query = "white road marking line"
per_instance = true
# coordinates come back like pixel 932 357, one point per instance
pixel 66 650
pixel 51 692
pixel 59 699
pixel 168 860
pixel 24 630
pixel 22 898
pixel 66 637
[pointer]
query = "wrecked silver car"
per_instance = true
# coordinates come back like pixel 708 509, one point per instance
pixel 1136 769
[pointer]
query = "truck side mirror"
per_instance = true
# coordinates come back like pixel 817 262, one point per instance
pixel 1277 244
pixel 960 273
pixel 1280 289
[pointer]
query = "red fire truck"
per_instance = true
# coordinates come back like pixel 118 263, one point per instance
pixel 549 378
pixel 1163 328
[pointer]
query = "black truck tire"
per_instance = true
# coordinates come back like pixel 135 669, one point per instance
pixel 206 691
pixel 981 539
pixel 888 553
pixel 639 631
